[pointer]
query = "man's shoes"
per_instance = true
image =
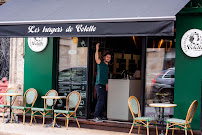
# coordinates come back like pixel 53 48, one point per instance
pixel 97 119
pixel 104 118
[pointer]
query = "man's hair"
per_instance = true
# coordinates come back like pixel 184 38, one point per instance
pixel 107 54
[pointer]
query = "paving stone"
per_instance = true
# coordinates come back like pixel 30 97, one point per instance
pixel 38 129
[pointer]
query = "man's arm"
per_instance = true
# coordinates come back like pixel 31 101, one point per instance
pixel 98 61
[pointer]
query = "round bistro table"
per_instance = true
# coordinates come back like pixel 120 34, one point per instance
pixel 54 98
pixel 162 105
pixel 10 106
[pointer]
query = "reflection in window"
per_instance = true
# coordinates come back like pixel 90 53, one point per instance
pixel 160 73
pixel 73 69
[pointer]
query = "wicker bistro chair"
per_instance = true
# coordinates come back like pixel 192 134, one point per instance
pixel 7 100
pixel 29 99
pixel 72 102
pixel 47 103
pixel 180 124
pixel 139 121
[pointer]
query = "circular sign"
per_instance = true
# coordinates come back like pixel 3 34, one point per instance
pixel 191 43
pixel 37 44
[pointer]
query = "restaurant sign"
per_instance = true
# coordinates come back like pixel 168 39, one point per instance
pixel 191 43
pixel 79 28
pixel 157 28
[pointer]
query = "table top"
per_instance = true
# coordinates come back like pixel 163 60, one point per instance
pixel 163 105
pixel 53 97
pixel 10 94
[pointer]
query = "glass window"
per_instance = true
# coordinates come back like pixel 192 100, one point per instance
pixel 160 73
pixel 72 74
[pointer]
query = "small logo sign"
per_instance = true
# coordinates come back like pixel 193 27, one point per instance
pixel 72 52
pixel 37 44
pixel 191 43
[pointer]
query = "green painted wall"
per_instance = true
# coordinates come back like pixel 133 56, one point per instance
pixel 39 70
pixel 188 72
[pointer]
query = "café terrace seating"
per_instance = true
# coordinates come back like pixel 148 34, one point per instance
pixel 181 124
pixel 29 100
pixel 30 96
pixel 72 102
pixel 46 110
pixel 134 107
pixel 7 100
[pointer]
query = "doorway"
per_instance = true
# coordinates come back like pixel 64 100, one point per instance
pixel 124 68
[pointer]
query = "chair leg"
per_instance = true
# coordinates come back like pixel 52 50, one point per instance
pixel 191 132
pixel 147 128
pixel 138 130
pixel 167 128
pixel 131 129
pixel 67 122
pixel 77 122
pixel 156 129
pixel 43 118
pixel 31 118
pixel 185 132
pixel 54 120
pixel 185 129
pixel 35 120
pixel 3 114
pixel 24 117
pixel 173 131
pixel 12 117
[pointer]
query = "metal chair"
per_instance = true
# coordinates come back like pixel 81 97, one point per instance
pixel 139 121
pixel 72 102
pixel 29 100
pixel 47 103
pixel 181 124
pixel 7 100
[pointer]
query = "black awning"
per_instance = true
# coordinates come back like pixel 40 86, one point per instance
pixel 60 18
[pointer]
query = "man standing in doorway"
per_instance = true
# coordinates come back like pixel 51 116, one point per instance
pixel 101 84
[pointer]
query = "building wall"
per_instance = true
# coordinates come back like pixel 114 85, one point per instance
pixel 188 71
pixel 39 70
pixel 16 71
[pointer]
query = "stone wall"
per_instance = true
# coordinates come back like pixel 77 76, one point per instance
pixel 16 73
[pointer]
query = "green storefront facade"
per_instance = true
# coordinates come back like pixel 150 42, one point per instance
pixel 39 68
pixel 188 70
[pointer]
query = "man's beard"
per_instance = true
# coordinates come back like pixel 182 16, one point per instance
pixel 106 61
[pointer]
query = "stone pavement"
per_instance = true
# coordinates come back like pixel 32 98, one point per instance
pixel 38 129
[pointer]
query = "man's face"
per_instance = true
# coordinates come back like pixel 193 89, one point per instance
pixel 107 58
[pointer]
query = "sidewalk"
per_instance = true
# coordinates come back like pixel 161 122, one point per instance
pixel 38 129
